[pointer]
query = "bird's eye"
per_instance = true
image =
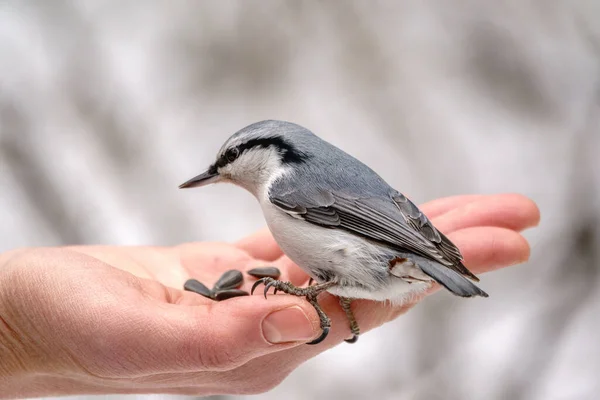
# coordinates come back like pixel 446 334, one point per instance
pixel 232 154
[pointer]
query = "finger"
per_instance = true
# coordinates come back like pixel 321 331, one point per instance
pixel 512 211
pixel 284 362
pixel 489 248
pixel 261 245
pixel 437 207
pixel 225 335
pixel 369 314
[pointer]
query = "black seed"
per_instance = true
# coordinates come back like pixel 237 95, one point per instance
pixel 232 279
pixel 228 294
pixel 265 272
pixel 193 285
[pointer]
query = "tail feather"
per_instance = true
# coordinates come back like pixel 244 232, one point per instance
pixel 451 280
pixel 463 270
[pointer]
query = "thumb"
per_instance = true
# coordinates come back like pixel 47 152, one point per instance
pixel 230 333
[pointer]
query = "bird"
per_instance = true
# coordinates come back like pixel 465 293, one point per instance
pixel 354 235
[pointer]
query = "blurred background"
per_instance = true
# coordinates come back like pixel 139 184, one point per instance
pixel 107 106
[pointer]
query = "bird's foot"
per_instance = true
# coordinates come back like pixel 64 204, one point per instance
pixel 310 293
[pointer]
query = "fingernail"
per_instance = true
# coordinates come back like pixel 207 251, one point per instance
pixel 288 325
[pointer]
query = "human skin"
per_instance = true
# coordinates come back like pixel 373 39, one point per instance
pixel 113 319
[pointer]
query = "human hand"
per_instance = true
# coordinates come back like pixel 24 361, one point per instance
pixel 104 319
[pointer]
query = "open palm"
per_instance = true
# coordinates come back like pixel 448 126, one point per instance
pixel 137 331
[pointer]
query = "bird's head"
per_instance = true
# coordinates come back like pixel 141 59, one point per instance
pixel 257 154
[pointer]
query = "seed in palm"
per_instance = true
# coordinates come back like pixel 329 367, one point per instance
pixel 194 285
pixel 230 293
pixel 265 272
pixel 232 279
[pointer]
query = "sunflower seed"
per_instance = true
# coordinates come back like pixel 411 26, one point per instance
pixel 194 285
pixel 228 294
pixel 232 279
pixel 265 272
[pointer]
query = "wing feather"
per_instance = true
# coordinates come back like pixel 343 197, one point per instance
pixel 395 222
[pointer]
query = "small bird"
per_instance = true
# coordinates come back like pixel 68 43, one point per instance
pixel 338 220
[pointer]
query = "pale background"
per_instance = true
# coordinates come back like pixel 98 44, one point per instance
pixel 107 106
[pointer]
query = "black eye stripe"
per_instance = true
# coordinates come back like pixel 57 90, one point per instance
pixel 289 153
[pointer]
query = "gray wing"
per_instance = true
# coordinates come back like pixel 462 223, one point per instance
pixel 395 222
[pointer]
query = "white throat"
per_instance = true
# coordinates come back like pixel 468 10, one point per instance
pixel 256 171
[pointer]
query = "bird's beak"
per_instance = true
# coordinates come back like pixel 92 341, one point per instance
pixel 205 178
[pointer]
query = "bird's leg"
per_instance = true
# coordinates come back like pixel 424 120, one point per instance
pixel 346 303
pixel 323 318
pixel 310 293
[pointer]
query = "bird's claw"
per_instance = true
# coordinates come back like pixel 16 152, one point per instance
pixel 353 339
pixel 255 285
pixel 269 282
pixel 268 286
pixel 322 337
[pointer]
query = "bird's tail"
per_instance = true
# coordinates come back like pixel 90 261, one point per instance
pixel 451 280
